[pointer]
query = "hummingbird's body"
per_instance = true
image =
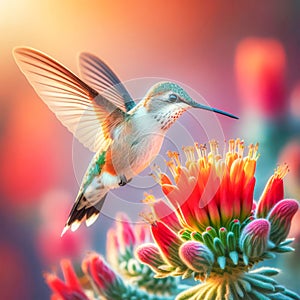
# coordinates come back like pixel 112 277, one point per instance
pixel 133 148
pixel 102 115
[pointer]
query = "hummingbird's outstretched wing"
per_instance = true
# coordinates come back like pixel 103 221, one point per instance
pixel 88 115
pixel 100 76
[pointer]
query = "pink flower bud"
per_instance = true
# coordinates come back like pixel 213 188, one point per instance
pixel 196 256
pixel 149 254
pixel 280 218
pixel 254 238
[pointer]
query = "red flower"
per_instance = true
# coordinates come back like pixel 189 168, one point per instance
pixel 168 241
pixel 68 290
pixel 218 237
pixel 210 190
pixel 260 68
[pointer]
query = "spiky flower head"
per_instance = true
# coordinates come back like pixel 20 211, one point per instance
pixel 214 231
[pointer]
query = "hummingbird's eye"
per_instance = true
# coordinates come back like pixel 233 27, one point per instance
pixel 173 97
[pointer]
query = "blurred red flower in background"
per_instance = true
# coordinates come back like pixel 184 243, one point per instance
pixel 260 69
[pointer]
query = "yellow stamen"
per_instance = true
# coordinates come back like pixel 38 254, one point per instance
pixel 253 151
pixel 148 217
pixel 250 162
pixel 149 199
pixel 281 171
pixel 202 155
pixel 214 155
pixel 240 148
pixel 174 157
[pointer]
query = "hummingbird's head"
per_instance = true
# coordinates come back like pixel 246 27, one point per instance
pixel 167 101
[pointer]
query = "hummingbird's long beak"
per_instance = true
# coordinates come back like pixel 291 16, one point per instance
pixel 198 105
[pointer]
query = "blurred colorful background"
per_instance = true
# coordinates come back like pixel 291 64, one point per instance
pixel 242 57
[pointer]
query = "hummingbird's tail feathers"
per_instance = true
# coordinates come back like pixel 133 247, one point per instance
pixel 82 211
pixel 79 107
pixel 102 78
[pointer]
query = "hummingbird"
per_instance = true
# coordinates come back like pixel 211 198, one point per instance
pixel 103 116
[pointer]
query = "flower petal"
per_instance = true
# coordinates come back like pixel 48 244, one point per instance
pixel 168 242
pixel 167 215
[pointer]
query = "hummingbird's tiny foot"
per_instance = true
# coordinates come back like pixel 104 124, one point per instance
pixel 123 180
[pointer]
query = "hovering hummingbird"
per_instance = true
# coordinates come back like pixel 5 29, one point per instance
pixel 102 115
